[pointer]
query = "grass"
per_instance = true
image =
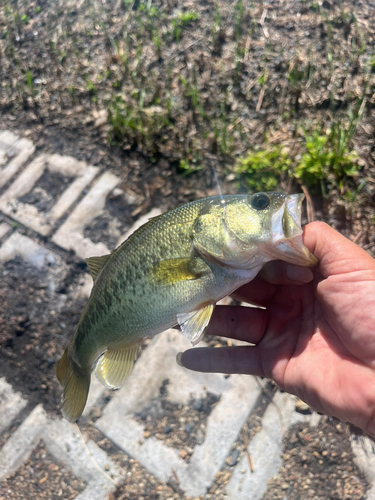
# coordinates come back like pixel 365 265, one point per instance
pixel 326 161
pixel 263 169
pixel 181 21
pixel 235 82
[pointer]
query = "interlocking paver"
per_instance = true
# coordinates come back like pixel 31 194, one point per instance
pixel 4 229
pixel 265 449
pixel 364 450
pixel 71 234
pixel 14 151
pixel 65 442
pixel 19 446
pixel 238 396
pixel 29 214
pixel 11 403
pixel 18 245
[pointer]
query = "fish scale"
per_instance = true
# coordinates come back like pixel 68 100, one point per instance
pixel 171 271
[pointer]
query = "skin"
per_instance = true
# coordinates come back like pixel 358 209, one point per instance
pixel 315 340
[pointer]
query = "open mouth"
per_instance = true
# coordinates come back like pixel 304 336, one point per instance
pixel 287 233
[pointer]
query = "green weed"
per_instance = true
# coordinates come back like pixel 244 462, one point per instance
pixel 192 93
pixel 130 123
pixel 263 169
pixel 29 80
pixel 187 167
pixel 238 19
pixel 182 20
pixel 329 159
pixel 90 86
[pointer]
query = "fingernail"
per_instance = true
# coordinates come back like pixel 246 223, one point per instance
pixel 299 274
pixel 178 359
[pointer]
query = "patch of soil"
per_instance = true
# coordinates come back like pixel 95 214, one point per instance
pixel 318 464
pixel 113 222
pixel 179 426
pixel 47 191
pixel 41 477
pixel 35 325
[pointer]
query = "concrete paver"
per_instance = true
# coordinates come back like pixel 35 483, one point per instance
pixel 11 403
pixel 4 229
pixel 64 441
pixel 364 450
pixel 28 214
pixel 266 449
pixel 71 234
pixel 238 394
pixel 14 151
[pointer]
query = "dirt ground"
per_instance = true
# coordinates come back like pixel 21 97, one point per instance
pixel 160 92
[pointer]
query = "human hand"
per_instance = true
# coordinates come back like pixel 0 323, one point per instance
pixel 316 340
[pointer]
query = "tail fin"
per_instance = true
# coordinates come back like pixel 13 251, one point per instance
pixel 75 382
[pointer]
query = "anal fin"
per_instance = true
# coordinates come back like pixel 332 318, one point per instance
pixel 194 323
pixel 115 365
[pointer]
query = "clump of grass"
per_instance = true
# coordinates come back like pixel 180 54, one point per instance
pixel 262 169
pixel 327 161
pixel 29 80
pixel 188 166
pixel 328 158
pixel 182 20
pixel 136 124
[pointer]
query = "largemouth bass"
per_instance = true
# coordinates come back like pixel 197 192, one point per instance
pixel 170 272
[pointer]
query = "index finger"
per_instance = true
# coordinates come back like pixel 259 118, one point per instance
pixel 239 323
pixel 257 292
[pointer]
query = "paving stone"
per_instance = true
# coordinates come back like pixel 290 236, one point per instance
pixel 4 229
pixel 29 214
pixel 38 256
pixel 14 151
pixel 157 363
pixel 266 449
pixel 71 234
pixel 11 403
pixel 19 446
pixel 364 452
pixel 65 442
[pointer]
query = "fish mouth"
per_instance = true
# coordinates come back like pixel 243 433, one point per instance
pixel 287 233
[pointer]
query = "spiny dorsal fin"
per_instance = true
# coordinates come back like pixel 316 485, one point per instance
pixel 96 264
pixel 194 323
pixel 115 365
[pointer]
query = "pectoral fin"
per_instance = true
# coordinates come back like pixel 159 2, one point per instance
pixel 193 324
pixel 172 271
pixel 115 365
pixel 96 264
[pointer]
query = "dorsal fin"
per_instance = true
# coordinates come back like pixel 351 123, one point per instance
pixel 96 264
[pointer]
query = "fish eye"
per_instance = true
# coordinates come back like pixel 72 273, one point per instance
pixel 260 201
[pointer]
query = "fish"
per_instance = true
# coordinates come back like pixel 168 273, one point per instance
pixel 171 272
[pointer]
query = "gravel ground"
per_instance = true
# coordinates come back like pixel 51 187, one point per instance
pixel 41 477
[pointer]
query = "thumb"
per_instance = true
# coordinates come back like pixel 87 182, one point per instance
pixel 336 254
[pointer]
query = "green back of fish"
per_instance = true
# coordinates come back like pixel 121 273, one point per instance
pixel 146 281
